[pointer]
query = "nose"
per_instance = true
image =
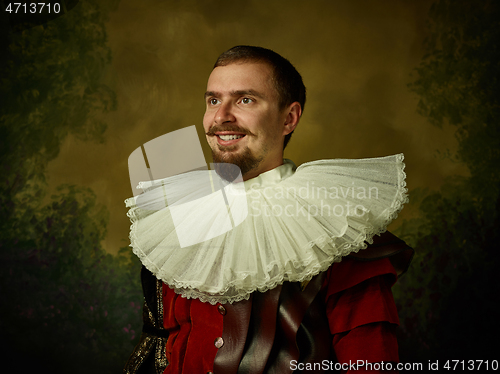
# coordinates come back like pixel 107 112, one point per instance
pixel 224 114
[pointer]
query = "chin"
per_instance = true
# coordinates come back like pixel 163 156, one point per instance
pixel 244 160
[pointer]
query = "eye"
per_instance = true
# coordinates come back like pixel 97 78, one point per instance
pixel 213 101
pixel 246 100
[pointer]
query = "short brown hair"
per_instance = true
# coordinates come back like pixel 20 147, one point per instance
pixel 286 79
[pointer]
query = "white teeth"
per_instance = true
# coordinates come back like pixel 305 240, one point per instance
pixel 230 137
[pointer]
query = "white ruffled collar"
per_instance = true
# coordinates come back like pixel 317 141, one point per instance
pixel 272 177
pixel 220 242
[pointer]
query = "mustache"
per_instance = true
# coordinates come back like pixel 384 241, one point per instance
pixel 217 128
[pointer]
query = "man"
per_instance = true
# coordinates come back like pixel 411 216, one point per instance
pixel 276 294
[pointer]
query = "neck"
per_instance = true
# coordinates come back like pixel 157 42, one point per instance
pixel 262 169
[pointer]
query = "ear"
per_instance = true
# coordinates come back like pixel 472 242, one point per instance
pixel 293 113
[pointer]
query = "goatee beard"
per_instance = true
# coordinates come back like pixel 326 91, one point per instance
pixel 245 161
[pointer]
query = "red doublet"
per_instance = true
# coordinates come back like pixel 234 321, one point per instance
pixel 360 309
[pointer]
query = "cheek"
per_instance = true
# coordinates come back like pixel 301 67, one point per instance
pixel 206 122
pixel 274 128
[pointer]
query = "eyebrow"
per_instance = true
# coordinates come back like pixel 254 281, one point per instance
pixel 235 93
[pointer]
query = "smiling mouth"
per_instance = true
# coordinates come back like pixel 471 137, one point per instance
pixel 230 137
pixel 228 140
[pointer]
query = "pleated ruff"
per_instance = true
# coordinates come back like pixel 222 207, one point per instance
pixel 217 241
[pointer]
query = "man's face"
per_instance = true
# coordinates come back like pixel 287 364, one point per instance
pixel 243 123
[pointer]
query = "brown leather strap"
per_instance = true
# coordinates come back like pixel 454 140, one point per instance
pixel 265 333
pixel 234 335
pixel 262 332
pixel 293 338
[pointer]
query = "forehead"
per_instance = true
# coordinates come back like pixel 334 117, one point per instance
pixel 241 77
